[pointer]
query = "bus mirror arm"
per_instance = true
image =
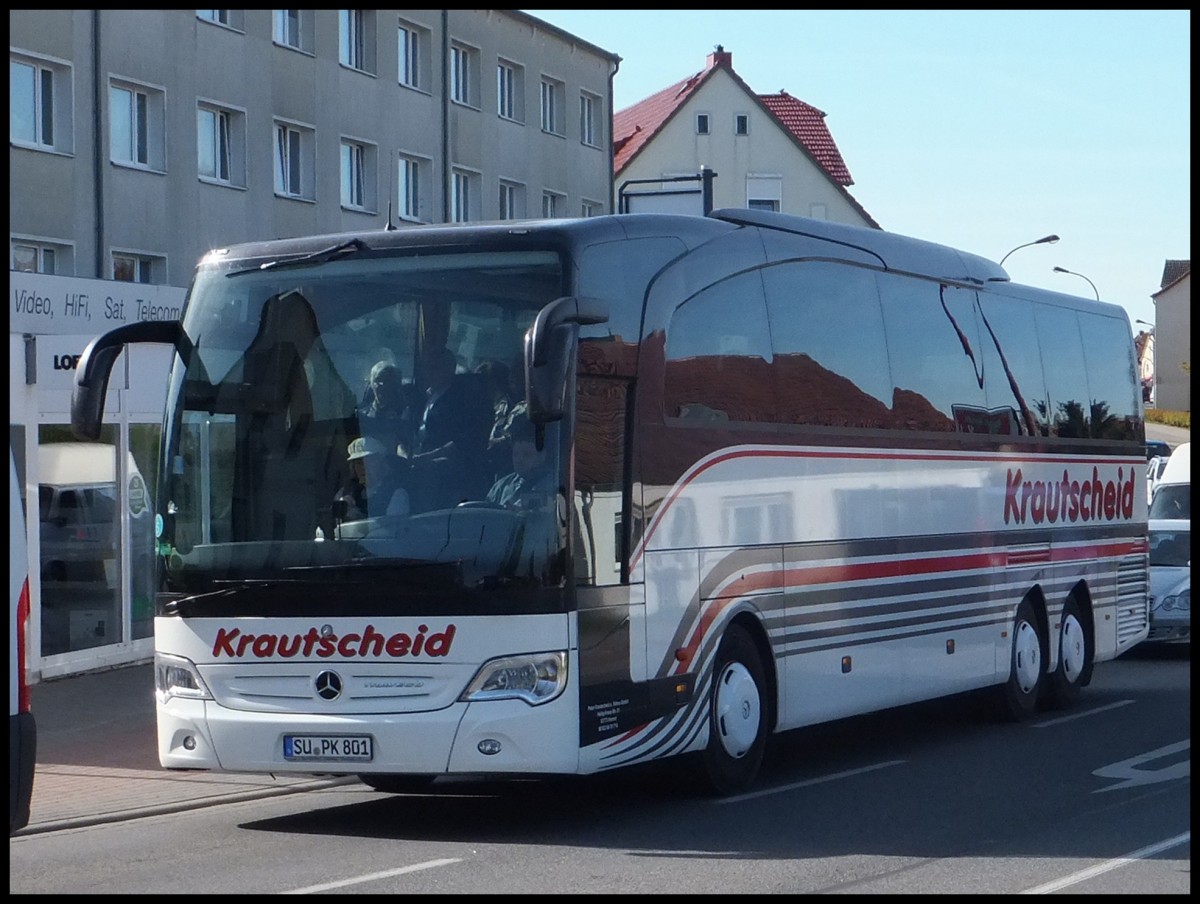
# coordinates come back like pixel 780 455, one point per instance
pixel 549 345
pixel 96 363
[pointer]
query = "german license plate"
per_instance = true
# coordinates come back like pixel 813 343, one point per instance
pixel 328 748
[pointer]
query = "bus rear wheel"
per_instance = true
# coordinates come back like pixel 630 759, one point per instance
pixel 1074 658
pixel 398 784
pixel 737 719
pixel 1019 694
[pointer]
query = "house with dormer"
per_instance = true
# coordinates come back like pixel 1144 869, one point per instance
pixel 767 151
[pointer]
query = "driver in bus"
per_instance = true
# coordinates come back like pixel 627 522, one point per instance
pixel 374 486
pixel 530 485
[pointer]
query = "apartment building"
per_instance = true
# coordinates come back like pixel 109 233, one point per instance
pixel 140 139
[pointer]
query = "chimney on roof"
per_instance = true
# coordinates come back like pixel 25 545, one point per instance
pixel 720 58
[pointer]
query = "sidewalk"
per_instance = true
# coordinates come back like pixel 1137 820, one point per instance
pixel 97 757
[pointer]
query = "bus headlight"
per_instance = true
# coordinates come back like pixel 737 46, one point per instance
pixel 535 678
pixel 175 676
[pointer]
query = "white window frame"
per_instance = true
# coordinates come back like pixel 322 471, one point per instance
pixel 552 91
pixel 357 166
pixel 764 191
pixel 293 29
pixel 51 256
pixel 552 204
pixel 293 148
pixel 703 124
pixel 590 208
pixel 234 19
pixel 412 187
pixel 356 39
pixel 464 195
pixel 741 124
pixel 511 200
pixel 228 129
pixel 152 267
pixel 413 45
pixel 141 144
pixel 52 82
pixel 510 90
pixel 589 119
pixel 464 74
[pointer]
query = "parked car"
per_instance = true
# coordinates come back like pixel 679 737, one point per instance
pixel 1154 471
pixel 1170 581
pixel 1171 551
pixel 1156 448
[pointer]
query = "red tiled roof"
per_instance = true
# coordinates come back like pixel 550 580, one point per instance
pixel 807 123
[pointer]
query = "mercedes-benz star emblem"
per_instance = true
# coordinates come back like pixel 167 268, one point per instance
pixel 328 685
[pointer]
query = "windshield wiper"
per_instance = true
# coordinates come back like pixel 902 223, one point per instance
pixel 315 257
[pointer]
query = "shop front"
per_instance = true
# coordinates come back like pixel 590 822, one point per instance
pixel 91 544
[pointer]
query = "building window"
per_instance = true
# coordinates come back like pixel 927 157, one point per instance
pixel 701 123
pixel 357 171
pixel 294 156
pixel 552 100
pixel 230 18
pixel 764 192
pixel 220 143
pixel 412 185
pixel 512 201
pixel 136 113
pixel 356 39
pixel 412 51
pixel 589 119
pixel 591 209
pixel 551 204
pixel 741 124
pixel 464 73
pixel 137 268
pixel 29 256
pixel 293 28
pixel 510 91
pixel 464 203
pixel 39 104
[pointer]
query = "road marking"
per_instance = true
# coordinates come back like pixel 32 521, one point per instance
pixel 416 867
pixel 812 781
pixel 1132 775
pixel 1080 715
pixel 1108 865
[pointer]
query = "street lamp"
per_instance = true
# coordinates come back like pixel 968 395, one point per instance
pixel 1044 240
pixel 1147 322
pixel 1081 276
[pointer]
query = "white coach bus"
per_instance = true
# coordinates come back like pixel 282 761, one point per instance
pixel 803 471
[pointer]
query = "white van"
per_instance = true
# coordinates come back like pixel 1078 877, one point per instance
pixel 22 731
pixel 1173 490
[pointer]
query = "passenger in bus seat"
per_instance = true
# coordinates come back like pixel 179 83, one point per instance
pixel 390 406
pixel 447 456
pixel 374 487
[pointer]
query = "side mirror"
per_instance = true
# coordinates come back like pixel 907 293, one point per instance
pixel 95 368
pixel 549 351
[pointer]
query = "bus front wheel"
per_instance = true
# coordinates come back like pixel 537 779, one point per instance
pixel 1019 695
pixel 737 719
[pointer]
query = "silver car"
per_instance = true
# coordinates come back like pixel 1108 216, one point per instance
pixel 1170 581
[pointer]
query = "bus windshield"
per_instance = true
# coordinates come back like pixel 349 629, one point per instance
pixel 347 427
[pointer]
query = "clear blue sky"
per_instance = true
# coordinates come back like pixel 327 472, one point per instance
pixel 981 130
